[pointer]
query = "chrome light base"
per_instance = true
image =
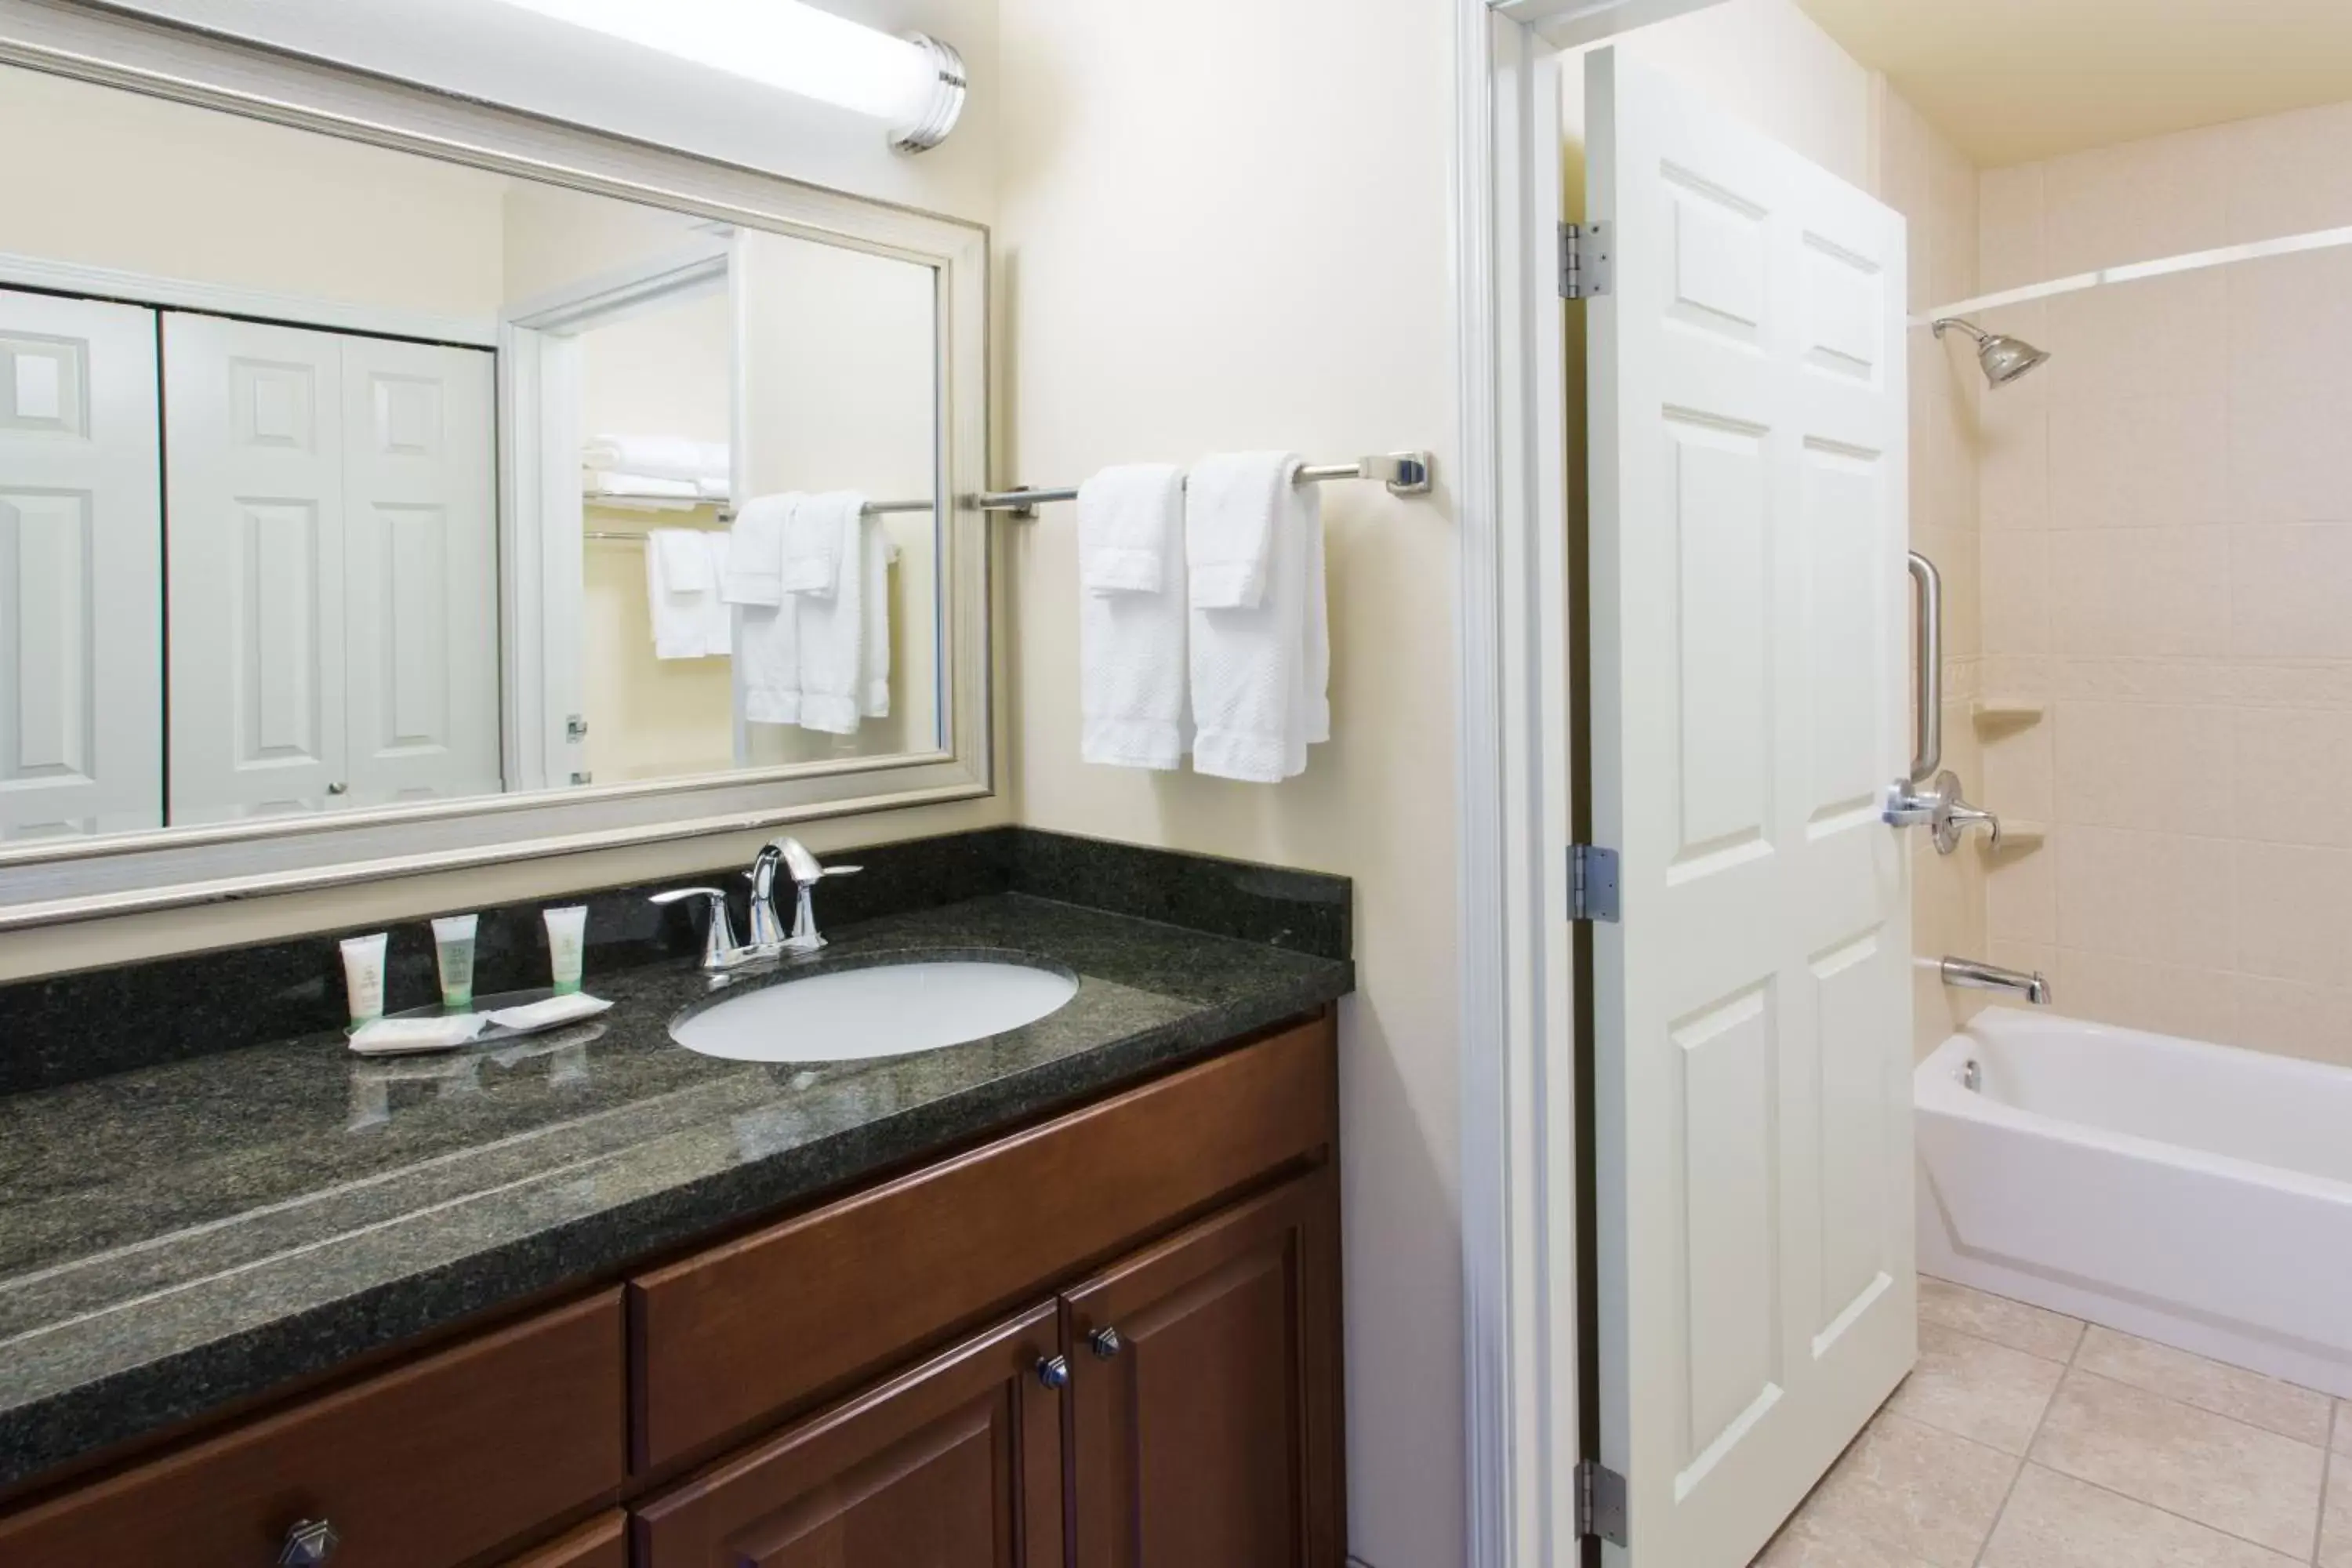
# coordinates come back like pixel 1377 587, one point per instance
pixel 938 117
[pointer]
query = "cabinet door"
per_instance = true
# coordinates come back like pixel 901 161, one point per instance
pixel 253 465
pixel 1205 1375
pixel 82 570
pixel 955 1464
pixel 421 572
pixel 602 1543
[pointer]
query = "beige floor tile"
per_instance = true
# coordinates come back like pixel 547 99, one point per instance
pixel 1977 1388
pixel 2243 1479
pixel 2336 1519
pixel 2248 1397
pixel 2005 1322
pixel 1805 1544
pixel 2056 1521
pixel 1913 1492
pixel 2344 1426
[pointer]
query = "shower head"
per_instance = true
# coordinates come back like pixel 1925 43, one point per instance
pixel 2004 358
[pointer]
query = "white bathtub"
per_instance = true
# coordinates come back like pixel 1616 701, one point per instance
pixel 2193 1194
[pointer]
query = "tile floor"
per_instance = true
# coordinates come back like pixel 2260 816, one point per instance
pixel 2025 1440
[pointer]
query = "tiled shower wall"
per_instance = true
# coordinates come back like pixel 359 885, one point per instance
pixel 1924 178
pixel 2165 550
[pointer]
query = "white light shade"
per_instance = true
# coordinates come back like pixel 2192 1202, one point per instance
pixel 782 43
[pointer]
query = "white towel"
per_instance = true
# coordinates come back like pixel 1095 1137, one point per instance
pixel 755 563
pixel 832 634
pixel 1260 659
pixel 657 457
pixel 638 492
pixel 822 529
pixel 876 551
pixel 718 624
pixel 684 606
pixel 1131 615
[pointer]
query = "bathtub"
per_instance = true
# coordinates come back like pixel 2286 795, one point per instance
pixel 2193 1194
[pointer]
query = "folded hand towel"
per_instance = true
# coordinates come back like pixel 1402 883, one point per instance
pixel 755 562
pixel 718 623
pixel 683 614
pixel 1131 617
pixel 823 527
pixel 832 632
pixel 1260 667
pixel 637 492
pixel 1124 524
pixel 657 457
pixel 875 551
pixel 767 661
pixel 1230 504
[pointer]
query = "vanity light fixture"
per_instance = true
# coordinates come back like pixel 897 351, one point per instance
pixel 914 84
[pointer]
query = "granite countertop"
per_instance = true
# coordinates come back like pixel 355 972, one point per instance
pixel 181 1236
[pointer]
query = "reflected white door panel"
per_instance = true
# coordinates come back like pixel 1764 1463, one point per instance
pixel 82 560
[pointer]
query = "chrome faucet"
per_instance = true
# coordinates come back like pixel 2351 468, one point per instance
pixel 1969 975
pixel 768 938
pixel 1942 810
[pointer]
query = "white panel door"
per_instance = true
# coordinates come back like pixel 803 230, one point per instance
pixel 1752 1105
pixel 254 470
pixel 421 572
pixel 81 569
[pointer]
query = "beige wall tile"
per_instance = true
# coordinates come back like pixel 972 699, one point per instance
pixel 2126 340
pixel 2033 1330
pixel 2140 462
pixel 2014 464
pixel 2010 249
pixel 2022 898
pixel 2197 1000
pixel 2294 913
pixel 2019 778
pixel 2055 1522
pixel 2290 587
pixel 2142 764
pixel 2289 321
pixel 2288 173
pixel 2257 1400
pixel 2280 753
pixel 2294 1018
pixel 2013 603
pixel 2162 896
pixel 2289 460
pixel 2026 957
pixel 1977 1389
pixel 2253 1484
pixel 2143 591
pixel 2160 196
pixel 1913 1489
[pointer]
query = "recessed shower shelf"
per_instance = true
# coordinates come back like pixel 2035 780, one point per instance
pixel 2017 838
pixel 2004 715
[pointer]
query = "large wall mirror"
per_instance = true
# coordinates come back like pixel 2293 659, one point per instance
pixel 385 478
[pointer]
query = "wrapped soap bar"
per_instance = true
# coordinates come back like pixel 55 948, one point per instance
pixel 545 1015
pixel 396 1036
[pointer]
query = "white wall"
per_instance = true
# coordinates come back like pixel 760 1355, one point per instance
pixel 1224 228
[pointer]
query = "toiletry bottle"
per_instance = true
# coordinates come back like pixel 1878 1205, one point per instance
pixel 453 954
pixel 364 975
pixel 567 938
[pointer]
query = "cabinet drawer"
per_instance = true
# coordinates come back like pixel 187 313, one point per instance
pixel 427 1465
pixel 735 1335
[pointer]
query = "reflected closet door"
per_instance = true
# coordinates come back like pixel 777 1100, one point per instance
pixel 81 556
pixel 253 465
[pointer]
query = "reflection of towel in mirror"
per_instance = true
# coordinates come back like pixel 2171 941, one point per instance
pixel 755 563
pixel 698 463
pixel 682 572
pixel 816 538
pixel 767 620
pixel 845 637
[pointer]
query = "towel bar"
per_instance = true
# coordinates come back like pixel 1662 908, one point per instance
pixel 1405 474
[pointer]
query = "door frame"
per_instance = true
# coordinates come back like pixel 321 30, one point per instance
pixel 1519 1107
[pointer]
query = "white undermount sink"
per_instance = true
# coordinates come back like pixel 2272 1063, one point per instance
pixel 888 1010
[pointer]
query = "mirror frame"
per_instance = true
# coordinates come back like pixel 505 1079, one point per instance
pixel 50 881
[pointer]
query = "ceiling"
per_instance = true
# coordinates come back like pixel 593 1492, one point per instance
pixel 2014 80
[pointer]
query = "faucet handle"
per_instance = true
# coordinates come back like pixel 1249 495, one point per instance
pixel 718 935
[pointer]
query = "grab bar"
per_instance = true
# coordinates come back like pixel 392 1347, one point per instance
pixel 1927 676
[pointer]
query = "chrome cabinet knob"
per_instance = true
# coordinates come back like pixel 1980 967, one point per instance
pixel 1105 1343
pixel 339 789
pixel 1053 1371
pixel 308 1544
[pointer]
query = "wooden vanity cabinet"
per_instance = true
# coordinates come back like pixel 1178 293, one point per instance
pixel 602 1543
pixel 957 1463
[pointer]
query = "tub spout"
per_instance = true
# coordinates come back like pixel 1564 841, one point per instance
pixel 1972 975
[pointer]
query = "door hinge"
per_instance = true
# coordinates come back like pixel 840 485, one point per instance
pixel 575 728
pixel 1584 260
pixel 1592 883
pixel 1600 1501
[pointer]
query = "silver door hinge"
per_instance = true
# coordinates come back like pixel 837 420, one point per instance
pixel 1592 883
pixel 1600 1501
pixel 575 728
pixel 1584 269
